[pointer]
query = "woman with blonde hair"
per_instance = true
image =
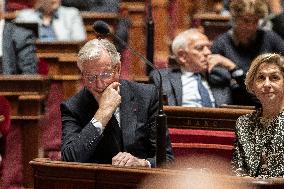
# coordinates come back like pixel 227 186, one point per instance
pixel 259 146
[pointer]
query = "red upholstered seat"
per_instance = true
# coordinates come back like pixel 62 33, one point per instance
pixel 14 5
pixel 5 110
pixel 201 136
pixel 199 148
pixel 5 123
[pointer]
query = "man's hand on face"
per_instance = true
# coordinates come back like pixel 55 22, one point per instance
pixel 108 101
pixel 128 160
pixel 216 59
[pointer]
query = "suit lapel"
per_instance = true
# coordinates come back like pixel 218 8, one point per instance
pixel 128 117
pixel 175 80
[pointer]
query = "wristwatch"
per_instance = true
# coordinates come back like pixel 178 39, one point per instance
pixel 237 72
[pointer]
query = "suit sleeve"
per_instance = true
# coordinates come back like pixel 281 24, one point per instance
pixel 27 60
pixel 78 143
pixel 153 109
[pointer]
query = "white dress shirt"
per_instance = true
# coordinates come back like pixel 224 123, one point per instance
pixel 190 93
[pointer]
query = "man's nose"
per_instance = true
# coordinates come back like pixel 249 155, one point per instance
pixel 206 50
pixel 99 82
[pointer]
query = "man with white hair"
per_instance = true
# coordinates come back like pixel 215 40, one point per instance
pixel 18 51
pixel 189 82
pixel 109 121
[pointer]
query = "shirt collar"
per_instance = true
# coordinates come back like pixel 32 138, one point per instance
pixel 186 73
pixel 55 14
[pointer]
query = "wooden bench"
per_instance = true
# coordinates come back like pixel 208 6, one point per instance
pixel 213 24
pixel 202 132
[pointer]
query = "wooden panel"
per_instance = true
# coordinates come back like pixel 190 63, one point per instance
pixel 65 175
pixel 62 64
pixel 203 118
pixel 213 24
pixel 161 37
pixel 58 47
pixel 137 36
pixel 26 94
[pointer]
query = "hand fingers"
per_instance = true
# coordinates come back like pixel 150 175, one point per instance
pixel 121 159
pixel 114 85
pixel 124 160
pixel 116 158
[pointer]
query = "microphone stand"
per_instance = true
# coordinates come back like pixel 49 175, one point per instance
pixel 161 118
pixel 150 37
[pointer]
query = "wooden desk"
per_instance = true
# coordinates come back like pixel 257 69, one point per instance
pixel 203 118
pixel 59 47
pixel 213 24
pixel 90 17
pixel 61 58
pixel 64 175
pixel 26 94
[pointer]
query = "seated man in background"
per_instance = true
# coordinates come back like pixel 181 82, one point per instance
pixel 189 82
pixel 245 41
pixel 110 121
pixel 56 22
pixel 105 6
pixel 18 51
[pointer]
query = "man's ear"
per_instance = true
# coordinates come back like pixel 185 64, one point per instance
pixel 181 56
pixel 118 68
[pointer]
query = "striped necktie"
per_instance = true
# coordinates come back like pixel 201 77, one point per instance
pixel 205 98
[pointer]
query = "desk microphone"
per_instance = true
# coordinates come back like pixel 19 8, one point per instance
pixel 102 28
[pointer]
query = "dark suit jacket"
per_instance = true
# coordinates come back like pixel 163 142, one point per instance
pixel 81 141
pixel 19 51
pixel 278 24
pixel 219 83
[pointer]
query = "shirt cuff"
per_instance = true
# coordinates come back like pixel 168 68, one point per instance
pixel 148 162
pixel 97 124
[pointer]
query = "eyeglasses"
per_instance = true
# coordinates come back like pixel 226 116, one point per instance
pixel 102 76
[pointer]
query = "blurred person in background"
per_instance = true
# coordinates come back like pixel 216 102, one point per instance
pixel 56 22
pixel 244 42
pixel 18 51
pixel 259 146
pixel 106 6
pixel 275 19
